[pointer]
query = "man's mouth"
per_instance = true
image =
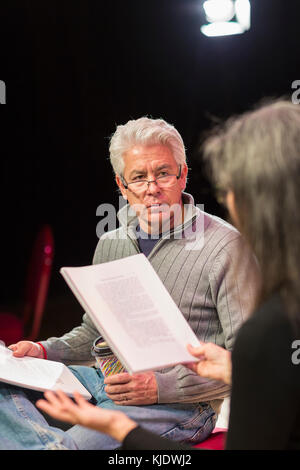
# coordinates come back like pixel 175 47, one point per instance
pixel 153 205
pixel 157 207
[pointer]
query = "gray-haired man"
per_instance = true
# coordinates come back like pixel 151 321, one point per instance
pixel 210 277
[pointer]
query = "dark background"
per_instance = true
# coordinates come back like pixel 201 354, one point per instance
pixel 74 69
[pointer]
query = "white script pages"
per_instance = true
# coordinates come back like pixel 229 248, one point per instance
pixel 134 313
pixel 38 374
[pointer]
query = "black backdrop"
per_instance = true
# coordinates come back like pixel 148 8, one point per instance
pixel 75 68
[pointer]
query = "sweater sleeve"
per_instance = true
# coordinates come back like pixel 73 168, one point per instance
pixel 232 284
pixel 75 346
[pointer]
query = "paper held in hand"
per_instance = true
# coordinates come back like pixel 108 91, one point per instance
pixel 38 374
pixel 134 313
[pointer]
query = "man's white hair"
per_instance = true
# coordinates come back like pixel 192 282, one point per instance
pixel 144 131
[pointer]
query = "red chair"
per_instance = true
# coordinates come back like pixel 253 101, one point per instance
pixel 14 328
pixel 216 441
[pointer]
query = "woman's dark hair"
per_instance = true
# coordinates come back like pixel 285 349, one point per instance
pixel 257 156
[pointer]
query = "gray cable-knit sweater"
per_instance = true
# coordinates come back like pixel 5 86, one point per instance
pixel 210 274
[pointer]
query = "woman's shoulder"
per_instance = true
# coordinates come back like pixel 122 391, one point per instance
pixel 267 334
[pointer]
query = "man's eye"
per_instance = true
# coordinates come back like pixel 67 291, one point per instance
pixel 163 173
pixel 138 177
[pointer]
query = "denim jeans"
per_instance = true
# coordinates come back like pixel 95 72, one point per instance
pixel 22 426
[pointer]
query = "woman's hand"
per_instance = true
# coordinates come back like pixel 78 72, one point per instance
pixel 215 362
pixel 58 405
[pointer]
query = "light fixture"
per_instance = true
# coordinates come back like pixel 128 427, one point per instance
pixel 226 17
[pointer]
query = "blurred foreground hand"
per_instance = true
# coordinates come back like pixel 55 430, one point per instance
pixel 214 362
pixel 58 405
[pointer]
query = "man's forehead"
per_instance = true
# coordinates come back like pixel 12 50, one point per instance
pixel 144 166
pixel 141 156
pixel 156 149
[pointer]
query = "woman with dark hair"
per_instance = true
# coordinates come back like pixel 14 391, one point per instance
pixel 255 164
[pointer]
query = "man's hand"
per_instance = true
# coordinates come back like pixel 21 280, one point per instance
pixel 136 389
pixel 27 348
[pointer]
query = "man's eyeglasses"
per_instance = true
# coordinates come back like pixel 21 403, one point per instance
pixel 163 181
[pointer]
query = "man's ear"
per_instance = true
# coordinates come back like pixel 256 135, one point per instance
pixel 121 186
pixel 183 176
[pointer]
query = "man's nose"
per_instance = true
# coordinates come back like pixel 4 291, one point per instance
pixel 152 187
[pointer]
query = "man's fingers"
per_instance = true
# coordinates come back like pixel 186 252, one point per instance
pixel 123 396
pixel 13 347
pixel 25 348
pixel 121 378
pixel 19 350
pixel 126 403
pixel 112 389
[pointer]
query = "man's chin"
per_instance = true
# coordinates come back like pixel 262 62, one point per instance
pixel 159 222
pixel 157 219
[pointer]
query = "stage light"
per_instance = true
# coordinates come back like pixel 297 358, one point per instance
pixel 217 10
pixel 243 13
pixel 226 17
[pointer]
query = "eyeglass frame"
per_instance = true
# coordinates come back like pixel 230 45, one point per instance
pixel 125 184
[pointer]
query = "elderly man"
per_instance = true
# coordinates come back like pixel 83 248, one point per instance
pixel 210 275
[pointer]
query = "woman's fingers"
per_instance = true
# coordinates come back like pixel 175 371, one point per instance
pixel 79 399
pixel 58 405
pixel 196 351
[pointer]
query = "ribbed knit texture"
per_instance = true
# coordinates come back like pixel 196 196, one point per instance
pixel 213 285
